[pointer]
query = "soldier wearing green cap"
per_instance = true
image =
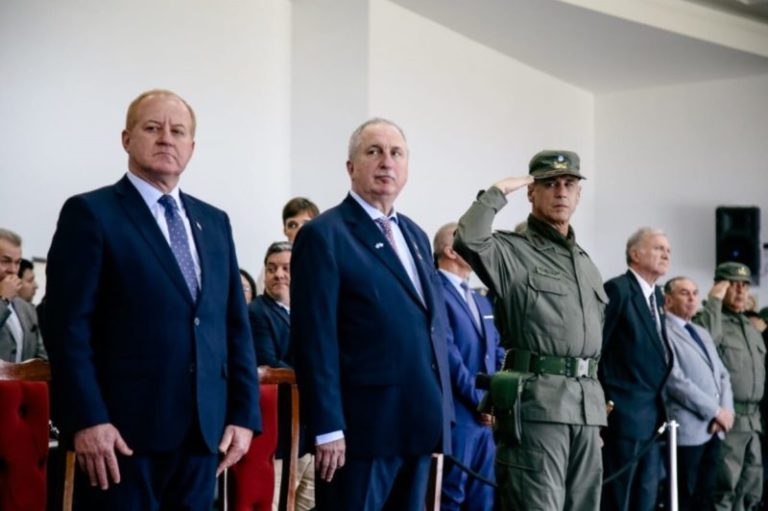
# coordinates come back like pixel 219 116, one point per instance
pixel 549 308
pixel 739 480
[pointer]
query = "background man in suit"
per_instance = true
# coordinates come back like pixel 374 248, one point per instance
pixel 19 332
pixel 699 395
pixel 739 481
pixel 270 315
pixel 368 330
pixel 296 212
pixel 151 352
pixel 549 309
pixel 473 347
pixel 635 364
pixel 28 283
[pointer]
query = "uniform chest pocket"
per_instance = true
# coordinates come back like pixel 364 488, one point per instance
pixel 545 304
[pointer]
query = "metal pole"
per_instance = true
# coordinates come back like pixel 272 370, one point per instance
pixel 673 425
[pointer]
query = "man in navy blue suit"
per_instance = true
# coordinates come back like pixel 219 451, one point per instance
pixel 636 362
pixel 368 330
pixel 147 330
pixel 473 348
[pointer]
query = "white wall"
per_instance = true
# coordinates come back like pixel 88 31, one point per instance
pixel 667 157
pixel 472 115
pixel 69 70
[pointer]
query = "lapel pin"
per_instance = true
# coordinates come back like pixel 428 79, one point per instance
pixel 379 245
pixel 199 227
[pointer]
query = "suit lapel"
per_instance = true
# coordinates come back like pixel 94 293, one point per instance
pixel 643 311
pixel 364 229
pixel 137 211
pixel 451 290
pixel 685 337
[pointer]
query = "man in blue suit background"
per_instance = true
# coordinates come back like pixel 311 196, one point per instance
pixel 147 330
pixel 368 330
pixel 473 347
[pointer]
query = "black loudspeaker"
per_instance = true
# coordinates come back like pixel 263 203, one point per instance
pixel 738 237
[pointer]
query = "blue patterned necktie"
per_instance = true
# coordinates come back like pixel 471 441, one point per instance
pixel 471 303
pixel 180 243
pixel 696 337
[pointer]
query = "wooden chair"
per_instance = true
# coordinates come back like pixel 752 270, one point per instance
pixel 24 428
pixel 249 484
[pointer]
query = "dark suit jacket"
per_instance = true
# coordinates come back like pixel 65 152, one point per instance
pixel 471 350
pixel 127 343
pixel 633 366
pixel 370 356
pixel 271 328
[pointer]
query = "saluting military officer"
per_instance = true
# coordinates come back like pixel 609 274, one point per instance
pixel 739 480
pixel 550 310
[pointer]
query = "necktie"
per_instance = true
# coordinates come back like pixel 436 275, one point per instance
pixel 696 338
pixel 471 303
pixel 180 243
pixel 654 312
pixel 385 224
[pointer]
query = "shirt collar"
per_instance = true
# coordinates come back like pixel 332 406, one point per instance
pixel 677 319
pixel 453 279
pixel 150 194
pixel 644 286
pixel 372 211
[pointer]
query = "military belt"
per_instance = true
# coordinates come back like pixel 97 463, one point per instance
pixel 745 407
pixel 529 362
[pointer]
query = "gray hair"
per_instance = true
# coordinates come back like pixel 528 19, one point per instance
pixel 10 236
pixel 354 139
pixel 638 236
pixel 670 285
pixel 443 239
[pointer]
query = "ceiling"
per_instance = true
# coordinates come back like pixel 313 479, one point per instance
pixel 603 52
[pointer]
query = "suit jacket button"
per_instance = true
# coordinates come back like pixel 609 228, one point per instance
pixel 434 367
pixel 192 368
pixel 197 321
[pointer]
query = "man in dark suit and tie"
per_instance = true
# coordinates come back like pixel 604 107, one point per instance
pixel 151 353
pixel 635 364
pixel 473 348
pixel 699 392
pixel 368 330
pixel 19 331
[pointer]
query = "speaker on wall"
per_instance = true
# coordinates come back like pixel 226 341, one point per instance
pixel 738 237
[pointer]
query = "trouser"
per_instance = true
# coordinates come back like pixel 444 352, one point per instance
pixel 739 480
pixel 696 472
pixel 305 483
pixel 637 488
pixel 554 467
pixel 396 483
pixel 473 445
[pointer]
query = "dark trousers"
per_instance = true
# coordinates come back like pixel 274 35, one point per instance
pixel 696 472
pixel 637 488
pixel 178 480
pixel 377 484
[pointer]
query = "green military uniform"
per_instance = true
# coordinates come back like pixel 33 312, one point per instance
pixel 550 306
pixel 739 480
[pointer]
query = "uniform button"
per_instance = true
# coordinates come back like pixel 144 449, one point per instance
pixel 192 368
pixel 197 321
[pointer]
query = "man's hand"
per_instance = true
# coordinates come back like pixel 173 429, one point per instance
pixel 329 457
pixel 234 444
pixel 719 289
pixel 725 419
pixel 95 448
pixel 485 419
pixel 10 286
pixel 511 184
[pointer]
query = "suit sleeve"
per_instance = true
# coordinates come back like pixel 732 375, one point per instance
pixel 263 337
pixel 315 284
pixel 73 274
pixel 462 380
pixel 612 310
pixel 243 386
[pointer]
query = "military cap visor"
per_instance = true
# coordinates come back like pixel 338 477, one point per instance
pixel 735 272
pixel 549 164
